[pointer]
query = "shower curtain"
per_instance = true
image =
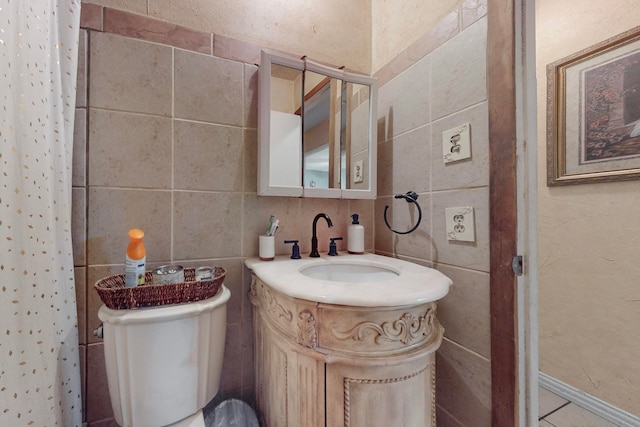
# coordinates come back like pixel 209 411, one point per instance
pixel 39 358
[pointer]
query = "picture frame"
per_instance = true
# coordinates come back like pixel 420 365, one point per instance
pixel 593 113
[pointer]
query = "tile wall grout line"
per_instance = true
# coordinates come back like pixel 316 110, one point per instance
pixel 431 160
pixel 173 153
pixel 244 174
pixel 84 378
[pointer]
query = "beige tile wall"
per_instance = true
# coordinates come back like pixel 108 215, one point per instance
pixel 167 142
pixel 172 148
pixel 444 88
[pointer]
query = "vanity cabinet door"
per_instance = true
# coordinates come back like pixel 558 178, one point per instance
pixel 290 384
pixel 380 396
pixel 272 366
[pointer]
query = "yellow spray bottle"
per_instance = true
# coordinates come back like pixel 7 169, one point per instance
pixel 135 260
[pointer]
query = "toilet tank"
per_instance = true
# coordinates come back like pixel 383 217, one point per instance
pixel 164 363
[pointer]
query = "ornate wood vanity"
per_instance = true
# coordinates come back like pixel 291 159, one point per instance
pixel 323 364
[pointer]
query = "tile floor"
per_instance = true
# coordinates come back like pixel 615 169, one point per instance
pixel 555 411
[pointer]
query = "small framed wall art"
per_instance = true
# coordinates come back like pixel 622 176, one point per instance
pixel 593 113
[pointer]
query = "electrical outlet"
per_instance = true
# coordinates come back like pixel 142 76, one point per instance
pixel 460 223
pixel 358 172
pixel 456 143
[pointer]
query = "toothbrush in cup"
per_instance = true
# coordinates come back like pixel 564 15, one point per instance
pixel 273 227
pixel 272 218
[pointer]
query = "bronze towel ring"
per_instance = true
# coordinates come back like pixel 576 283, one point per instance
pixel 410 197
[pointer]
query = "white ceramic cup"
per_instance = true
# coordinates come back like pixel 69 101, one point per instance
pixel 267 248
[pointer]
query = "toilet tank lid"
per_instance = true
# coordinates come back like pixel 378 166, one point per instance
pixel 163 313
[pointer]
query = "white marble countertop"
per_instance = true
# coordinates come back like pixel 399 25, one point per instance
pixel 414 284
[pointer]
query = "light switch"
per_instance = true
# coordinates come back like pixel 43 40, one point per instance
pixel 456 143
pixel 460 223
pixel 358 171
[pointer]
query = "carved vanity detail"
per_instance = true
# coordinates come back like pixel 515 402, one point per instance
pixel 324 364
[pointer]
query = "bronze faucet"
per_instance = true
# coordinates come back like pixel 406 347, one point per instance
pixel 314 237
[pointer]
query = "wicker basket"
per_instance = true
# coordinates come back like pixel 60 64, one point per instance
pixel 115 295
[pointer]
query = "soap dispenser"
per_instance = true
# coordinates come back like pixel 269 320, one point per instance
pixel 355 236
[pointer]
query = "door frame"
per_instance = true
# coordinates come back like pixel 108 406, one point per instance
pixel 511 94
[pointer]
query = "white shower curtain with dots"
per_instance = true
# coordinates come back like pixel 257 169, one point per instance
pixel 39 358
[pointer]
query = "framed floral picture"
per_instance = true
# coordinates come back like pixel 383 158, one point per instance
pixel 593 113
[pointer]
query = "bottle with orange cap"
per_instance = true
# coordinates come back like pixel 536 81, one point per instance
pixel 135 260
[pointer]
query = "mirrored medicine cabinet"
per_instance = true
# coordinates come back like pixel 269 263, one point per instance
pixel 316 130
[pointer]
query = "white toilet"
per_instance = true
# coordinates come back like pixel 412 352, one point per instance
pixel 164 364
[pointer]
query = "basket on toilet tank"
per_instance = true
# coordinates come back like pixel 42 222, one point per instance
pixel 115 295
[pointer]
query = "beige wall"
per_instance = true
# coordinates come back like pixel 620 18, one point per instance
pixel 589 236
pixel 333 31
pixel 362 35
pixel 398 24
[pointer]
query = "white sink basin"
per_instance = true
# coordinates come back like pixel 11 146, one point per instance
pixel 367 280
pixel 349 273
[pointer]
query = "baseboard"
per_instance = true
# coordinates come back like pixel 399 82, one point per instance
pixel 588 402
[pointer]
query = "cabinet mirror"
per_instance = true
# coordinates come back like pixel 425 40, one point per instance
pixel 316 130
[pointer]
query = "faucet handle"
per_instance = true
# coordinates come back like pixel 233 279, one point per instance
pixel 295 250
pixel 333 249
